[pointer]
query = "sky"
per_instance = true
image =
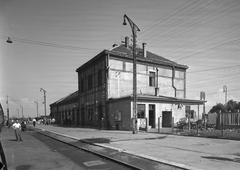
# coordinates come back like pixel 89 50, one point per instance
pixel 52 38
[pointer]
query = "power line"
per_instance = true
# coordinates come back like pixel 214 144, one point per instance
pixel 49 44
pixel 144 30
pixel 187 27
pixel 212 48
pixel 152 33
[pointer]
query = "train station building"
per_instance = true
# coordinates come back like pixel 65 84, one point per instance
pixel 105 91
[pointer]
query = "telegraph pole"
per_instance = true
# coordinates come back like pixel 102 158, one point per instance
pixel 44 92
pixel 7 110
pixel 37 107
pixel 134 28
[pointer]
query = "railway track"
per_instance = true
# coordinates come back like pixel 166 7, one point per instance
pixel 90 156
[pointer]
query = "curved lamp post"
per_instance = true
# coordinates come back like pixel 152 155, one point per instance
pixel 225 90
pixel 37 107
pixel 22 111
pixel 44 91
pixel 134 28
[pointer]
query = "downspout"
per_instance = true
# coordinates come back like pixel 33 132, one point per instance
pixel 106 92
pixel 156 88
pixel 173 82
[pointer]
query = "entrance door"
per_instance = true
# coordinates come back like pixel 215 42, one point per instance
pixel 152 115
pixel 166 118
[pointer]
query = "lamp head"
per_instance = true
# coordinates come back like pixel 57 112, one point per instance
pixel 124 21
pixel 9 40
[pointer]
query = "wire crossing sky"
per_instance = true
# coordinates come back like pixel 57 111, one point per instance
pixel 51 39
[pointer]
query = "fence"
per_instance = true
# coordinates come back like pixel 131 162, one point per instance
pixel 228 120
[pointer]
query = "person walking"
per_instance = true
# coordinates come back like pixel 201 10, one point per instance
pixel 34 122
pixel 17 128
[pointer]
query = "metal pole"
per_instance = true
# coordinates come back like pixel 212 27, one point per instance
pixel 7 109
pixel 37 107
pixel 44 92
pixel 134 28
pixel 22 111
pixel 18 113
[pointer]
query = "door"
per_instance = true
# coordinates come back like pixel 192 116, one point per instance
pixel 166 118
pixel 152 115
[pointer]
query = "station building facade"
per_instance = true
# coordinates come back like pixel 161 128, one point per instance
pixel 105 88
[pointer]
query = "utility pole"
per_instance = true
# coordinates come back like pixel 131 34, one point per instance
pixel 44 92
pixel 18 113
pixel 37 107
pixel 7 109
pixel 22 111
pixel 134 28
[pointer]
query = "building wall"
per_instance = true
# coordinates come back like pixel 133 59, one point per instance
pixel 121 80
pixel 92 97
pixel 120 114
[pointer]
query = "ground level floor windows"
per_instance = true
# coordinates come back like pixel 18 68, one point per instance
pixel 141 111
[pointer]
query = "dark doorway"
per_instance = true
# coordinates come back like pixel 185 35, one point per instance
pixel 166 118
pixel 152 115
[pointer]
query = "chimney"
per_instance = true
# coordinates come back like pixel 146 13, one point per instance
pixel 144 50
pixel 127 42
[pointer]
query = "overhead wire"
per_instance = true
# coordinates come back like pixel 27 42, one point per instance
pixel 188 27
pixel 49 44
pixel 158 20
pixel 168 21
pixel 173 27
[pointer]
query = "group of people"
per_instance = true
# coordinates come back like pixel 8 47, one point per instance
pixel 44 121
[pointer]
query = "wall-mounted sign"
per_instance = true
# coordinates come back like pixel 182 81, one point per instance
pixel 118 115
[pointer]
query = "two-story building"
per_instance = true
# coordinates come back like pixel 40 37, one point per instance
pixel 105 85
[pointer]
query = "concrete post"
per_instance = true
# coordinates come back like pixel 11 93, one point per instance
pixel 159 124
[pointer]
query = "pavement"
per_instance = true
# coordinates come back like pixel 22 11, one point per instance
pixel 31 154
pixel 182 151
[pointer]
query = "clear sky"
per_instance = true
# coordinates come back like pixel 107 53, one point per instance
pixel 52 38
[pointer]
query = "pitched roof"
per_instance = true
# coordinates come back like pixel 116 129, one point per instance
pixel 150 57
pixel 66 98
pixel 122 51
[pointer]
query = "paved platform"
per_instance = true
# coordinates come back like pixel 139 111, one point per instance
pixel 31 154
pixel 188 152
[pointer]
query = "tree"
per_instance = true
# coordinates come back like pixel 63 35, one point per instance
pixel 232 106
pixel 217 107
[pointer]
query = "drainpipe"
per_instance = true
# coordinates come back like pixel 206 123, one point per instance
pixel 106 91
pixel 156 88
pixel 173 84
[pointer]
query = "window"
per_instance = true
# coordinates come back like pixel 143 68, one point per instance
pixel 82 85
pixel 99 77
pixel 152 79
pixel 141 110
pixel 90 82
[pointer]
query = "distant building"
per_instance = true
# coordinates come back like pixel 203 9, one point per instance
pixel 105 86
pixel 65 107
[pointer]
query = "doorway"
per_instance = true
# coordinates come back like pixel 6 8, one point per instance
pixel 151 113
pixel 166 118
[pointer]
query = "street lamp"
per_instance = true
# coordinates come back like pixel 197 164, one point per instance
pixel 37 107
pixel 18 113
pixel 9 40
pixel 44 91
pixel 225 90
pixel 7 109
pixel 134 28
pixel 22 111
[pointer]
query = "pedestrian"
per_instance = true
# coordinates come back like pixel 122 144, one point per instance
pixel 17 128
pixel 53 121
pixel 34 122
pixel 102 123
